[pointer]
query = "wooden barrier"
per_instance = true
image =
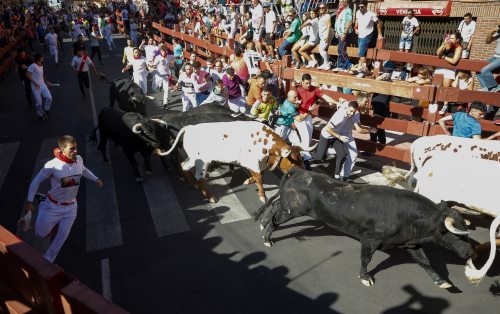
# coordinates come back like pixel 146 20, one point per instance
pixel 427 93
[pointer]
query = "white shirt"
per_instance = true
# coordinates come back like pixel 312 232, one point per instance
pixel 340 122
pixel 140 66
pixel 323 30
pixel 216 75
pixel 64 179
pixel 51 39
pixel 162 64
pixel 313 31
pixel 187 83
pixel 37 74
pixel 129 52
pixel 467 30
pixel 409 26
pixel 257 13
pixel 150 50
pixel 77 61
pixel 365 23
pixel 270 21
pixel 252 59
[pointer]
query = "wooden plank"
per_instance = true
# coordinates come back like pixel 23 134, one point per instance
pixel 452 94
pixel 388 151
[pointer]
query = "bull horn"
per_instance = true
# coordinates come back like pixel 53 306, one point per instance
pixel 449 224
pixel 136 128
pixel 311 148
pixel 160 121
pixel 285 153
pixel 475 275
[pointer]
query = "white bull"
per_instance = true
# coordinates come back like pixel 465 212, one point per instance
pixel 250 144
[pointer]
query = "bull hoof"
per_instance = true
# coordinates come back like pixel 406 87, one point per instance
pixel 367 280
pixel 139 179
pixel 268 243
pixel 213 199
pixel 247 182
pixel 262 199
pixel 261 227
pixel 467 222
pixel 443 284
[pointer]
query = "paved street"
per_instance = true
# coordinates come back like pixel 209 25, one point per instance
pixel 158 247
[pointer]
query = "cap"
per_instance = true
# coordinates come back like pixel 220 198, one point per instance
pixel 266 4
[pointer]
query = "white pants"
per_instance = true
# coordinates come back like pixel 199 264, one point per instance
pixel 142 81
pixel 49 215
pixel 350 159
pixel 37 94
pixel 162 81
pixel 188 101
pixel 237 104
pixel 304 130
pixel 54 52
pixel 323 47
pixel 283 131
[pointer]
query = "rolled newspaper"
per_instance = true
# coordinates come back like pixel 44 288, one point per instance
pixel 25 221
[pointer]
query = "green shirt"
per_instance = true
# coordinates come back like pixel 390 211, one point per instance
pixel 295 31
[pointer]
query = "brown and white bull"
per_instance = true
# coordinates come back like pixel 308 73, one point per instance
pixel 250 144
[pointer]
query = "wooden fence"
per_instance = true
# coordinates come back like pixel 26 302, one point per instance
pixel 429 93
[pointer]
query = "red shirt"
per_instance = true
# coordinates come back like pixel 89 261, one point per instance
pixel 307 97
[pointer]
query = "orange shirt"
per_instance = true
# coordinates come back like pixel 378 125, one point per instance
pixel 254 93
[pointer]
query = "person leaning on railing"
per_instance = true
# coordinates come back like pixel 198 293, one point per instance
pixel 486 78
pixel 451 52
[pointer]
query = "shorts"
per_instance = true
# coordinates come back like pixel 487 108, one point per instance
pixel 249 36
pixel 269 39
pixel 363 45
pixel 405 42
pixel 447 73
pixel 256 35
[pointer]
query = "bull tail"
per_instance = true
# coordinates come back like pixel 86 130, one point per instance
pixel 179 135
pixel 412 162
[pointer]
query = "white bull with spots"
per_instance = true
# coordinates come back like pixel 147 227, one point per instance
pixel 249 144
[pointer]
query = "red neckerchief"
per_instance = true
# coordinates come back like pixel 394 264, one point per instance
pixel 339 10
pixel 59 155
pixel 137 58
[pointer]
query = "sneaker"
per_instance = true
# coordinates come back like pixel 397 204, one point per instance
pixel 298 65
pixel 495 89
pixel 336 70
pixel 312 64
pixel 324 67
pixel 360 75
pixel 443 110
pixel 483 89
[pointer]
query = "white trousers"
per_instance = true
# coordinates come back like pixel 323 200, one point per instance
pixel 351 156
pixel 163 82
pixel 283 131
pixel 142 81
pixel 237 104
pixel 49 215
pixel 304 130
pixel 54 52
pixel 188 101
pixel 37 94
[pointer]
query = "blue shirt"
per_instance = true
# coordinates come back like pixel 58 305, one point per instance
pixel 464 125
pixel 178 53
pixel 287 112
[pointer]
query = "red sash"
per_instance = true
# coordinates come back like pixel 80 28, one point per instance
pixel 83 63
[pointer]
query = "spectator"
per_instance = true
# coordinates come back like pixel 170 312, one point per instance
pixel 253 98
pixel 297 60
pixel 410 27
pixel 463 81
pixel 257 22
pixel 268 103
pixel 338 130
pixel 252 59
pixel 239 64
pixel 270 26
pixel 486 78
pixel 235 87
pixel 380 106
pixel 133 31
pixel 467 28
pixel 363 26
pixel 325 35
pixel 203 84
pixel 306 49
pixel 451 52
pixel 247 24
pixel 287 112
pixel 343 23
pixel 218 71
pixel 291 35
pixel 178 55
pixel 219 94
pixel 423 77
pixel 466 124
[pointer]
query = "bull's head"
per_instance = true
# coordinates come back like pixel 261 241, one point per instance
pixel 286 157
pixel 152 131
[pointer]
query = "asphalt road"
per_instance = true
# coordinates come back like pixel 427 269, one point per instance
pixel 158 247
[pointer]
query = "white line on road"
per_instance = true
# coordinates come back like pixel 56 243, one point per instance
pixel 7 153
pixel 165 209
pixel 94 112
pixel 106 279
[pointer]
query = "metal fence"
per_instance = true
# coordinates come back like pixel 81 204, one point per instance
pixel 431 35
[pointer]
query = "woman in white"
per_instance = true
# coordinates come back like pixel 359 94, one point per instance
pixel 313 40
pixel 140 74
pixel 306 32
pixel 325 32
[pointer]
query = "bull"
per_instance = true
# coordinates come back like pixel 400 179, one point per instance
pixel 128 94
pixel 249 144
pixel 380 217
pixel 111 126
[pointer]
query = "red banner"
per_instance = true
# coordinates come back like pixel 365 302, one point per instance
pixel 420 8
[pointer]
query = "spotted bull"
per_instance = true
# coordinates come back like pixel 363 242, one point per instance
pixel 380 217
pixel 249 144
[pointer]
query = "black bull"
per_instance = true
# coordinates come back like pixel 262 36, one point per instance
pixel 380 217
pixel 128 94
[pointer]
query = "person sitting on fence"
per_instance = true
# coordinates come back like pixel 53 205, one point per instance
pixel 466 124
pixel 423 77
pixel 463 81
pixel 343 29
pixel 219 94
pixel 410 27
pixel 364 27
pixel 486 78
pixel 268 103
pixel 451 52
pixel 271 24
pixel 326 34
pixel 291 35
pixel 305 49
pixel 287 112
pixel 246 22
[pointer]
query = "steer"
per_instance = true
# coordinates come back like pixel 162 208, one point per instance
pixel 249 144
pixel 111 127
pixel 427 147
pixel 380 217
pixel 128 94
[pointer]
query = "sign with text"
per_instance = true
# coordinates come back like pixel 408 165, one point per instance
pixel 420 8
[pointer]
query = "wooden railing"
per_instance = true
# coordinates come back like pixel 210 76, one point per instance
pixel 414 128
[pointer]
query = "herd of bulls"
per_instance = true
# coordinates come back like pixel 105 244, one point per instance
pixel 379 217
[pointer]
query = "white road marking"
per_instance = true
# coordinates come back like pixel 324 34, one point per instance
pixel 165 209
pixel 106 279
pixel 7 153
pixel 94 112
